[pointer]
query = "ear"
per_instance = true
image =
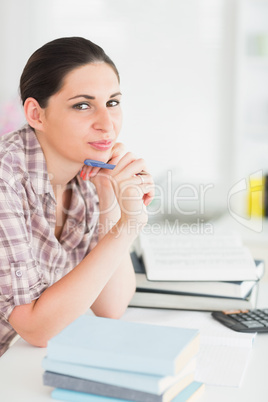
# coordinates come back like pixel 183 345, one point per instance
pixel 34 113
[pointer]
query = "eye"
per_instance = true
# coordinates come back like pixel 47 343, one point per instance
pixel 81 106
pixel 112 103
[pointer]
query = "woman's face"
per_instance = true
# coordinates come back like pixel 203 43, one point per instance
pixel 84 118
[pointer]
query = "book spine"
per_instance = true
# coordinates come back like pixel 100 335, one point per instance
pixel 192 392
pixel 97 388
pixel 189 302
pixel 146 383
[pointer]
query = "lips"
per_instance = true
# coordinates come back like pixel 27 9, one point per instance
pixel 102 145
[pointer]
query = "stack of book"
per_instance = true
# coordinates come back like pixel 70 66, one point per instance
pixel 101 359
pixel 195 272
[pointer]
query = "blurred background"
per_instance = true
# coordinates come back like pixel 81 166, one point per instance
pixel 194 78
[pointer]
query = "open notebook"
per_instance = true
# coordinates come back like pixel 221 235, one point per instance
pixel 178 257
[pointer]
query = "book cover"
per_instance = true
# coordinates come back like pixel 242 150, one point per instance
pixel 190 393
pixel 98 388
pixel 167 300
pixel 141 382
pixel 235 289
pixel 121 345
pixel 173 257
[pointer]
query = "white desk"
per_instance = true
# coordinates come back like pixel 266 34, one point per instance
pixel 21 373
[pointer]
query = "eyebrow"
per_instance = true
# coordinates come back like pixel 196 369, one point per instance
pixel 92 97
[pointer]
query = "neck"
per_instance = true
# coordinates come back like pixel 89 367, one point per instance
pixel 60 170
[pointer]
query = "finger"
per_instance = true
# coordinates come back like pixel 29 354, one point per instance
pixel 94 171
pixel 148 190
pixel 85 172
pixel 117 153
pixel 124 161
pixel 129 166
pixel 146 184
pixel 144 178
pixel 143 183
pixel 147 200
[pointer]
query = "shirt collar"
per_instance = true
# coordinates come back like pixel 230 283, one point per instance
pixel 35 162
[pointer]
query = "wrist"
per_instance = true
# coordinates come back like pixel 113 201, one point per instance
pixel 108 204
pixel 102 183
pixel 129 229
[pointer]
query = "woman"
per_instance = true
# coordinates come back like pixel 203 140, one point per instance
pixel 65 228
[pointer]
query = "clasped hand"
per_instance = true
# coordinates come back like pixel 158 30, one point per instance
pixel 129 181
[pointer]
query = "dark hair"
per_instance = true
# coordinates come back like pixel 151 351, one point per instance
pixel 46 69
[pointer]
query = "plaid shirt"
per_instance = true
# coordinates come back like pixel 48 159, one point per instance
pixel 31 257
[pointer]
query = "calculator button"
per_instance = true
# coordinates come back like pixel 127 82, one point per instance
pixel 239 327
pixel 252 324
pixel 238 318
pixel 264 322
pixel 235 316
pixel 246 317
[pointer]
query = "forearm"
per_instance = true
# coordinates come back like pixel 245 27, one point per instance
pixel 115 296
pixel 71 296
pixel 108 208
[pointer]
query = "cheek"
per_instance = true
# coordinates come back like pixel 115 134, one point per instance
pixel 118 124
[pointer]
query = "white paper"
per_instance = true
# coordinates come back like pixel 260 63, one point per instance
pixel 221 365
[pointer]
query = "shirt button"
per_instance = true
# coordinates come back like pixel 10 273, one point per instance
pixel 18 273
pixel 57 271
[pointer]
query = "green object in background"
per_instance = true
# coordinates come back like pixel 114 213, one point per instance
pixel 257 45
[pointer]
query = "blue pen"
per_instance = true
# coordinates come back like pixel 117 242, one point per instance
pixel 91 162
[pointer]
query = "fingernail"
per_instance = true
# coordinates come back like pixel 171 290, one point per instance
pixel 84 175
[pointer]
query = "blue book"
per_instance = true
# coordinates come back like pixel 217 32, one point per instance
pixel 75 396
pixel 190 393
pixel 140 382
pixel 121 345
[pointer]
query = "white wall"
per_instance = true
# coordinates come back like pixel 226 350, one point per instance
pixel 251 124
pixel 176 66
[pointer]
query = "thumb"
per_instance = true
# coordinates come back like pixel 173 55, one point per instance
pixel 118 151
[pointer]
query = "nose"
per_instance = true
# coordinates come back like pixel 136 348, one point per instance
pixel 103 120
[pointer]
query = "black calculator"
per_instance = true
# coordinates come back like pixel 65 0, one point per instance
pixel 244 320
